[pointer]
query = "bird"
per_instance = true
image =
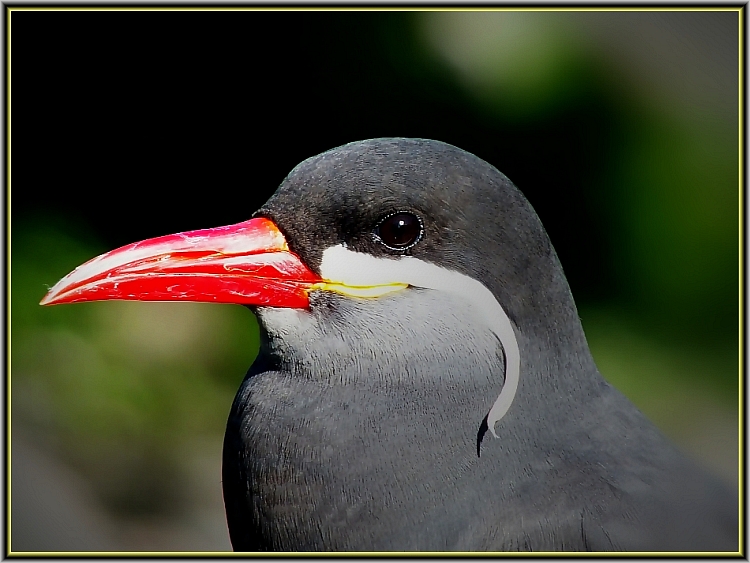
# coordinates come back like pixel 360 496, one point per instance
pixel 423 381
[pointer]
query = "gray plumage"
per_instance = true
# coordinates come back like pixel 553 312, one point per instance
pixel 357 427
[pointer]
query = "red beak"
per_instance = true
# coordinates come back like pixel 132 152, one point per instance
pixel 247 263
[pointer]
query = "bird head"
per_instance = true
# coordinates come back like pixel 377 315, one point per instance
pixel 368 222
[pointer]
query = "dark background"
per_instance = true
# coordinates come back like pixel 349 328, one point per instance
pixel 620 128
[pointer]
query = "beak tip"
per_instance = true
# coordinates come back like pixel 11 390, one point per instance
pixel 52 298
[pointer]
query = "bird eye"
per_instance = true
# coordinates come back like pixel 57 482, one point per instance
pixel 400 231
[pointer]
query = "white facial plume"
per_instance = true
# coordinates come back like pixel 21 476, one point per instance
pixel 359 270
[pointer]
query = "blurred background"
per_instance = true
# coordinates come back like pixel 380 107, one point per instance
pixel 621 128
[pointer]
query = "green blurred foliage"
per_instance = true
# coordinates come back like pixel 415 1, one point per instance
pixel 676 200
pixel 517 65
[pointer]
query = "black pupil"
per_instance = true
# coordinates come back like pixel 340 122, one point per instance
pixel 400 230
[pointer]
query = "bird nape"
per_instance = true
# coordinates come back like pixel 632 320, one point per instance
pixel 409 300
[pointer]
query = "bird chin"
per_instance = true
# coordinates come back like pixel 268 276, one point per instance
pixel 283 321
